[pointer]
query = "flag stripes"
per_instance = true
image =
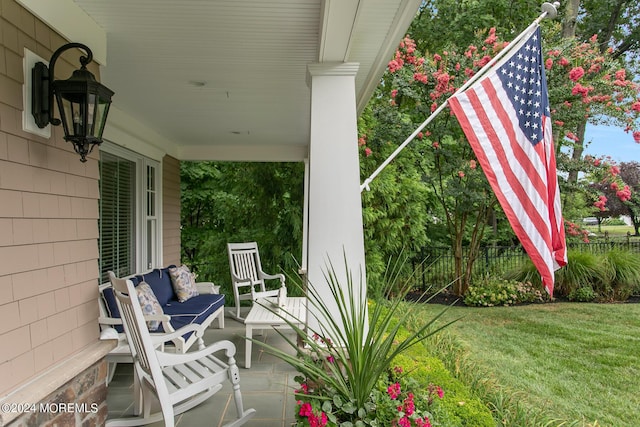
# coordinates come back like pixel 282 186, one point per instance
pixel 504 120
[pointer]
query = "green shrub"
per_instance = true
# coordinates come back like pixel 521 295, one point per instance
pixel 493 291
pixel 624 275
pixel 583 294
pixel 613 276
pixel 583 269
pixel 458 407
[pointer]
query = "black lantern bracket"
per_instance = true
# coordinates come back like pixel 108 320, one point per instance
pixel 83 102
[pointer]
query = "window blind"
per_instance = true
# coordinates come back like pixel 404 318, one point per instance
pixel 117 215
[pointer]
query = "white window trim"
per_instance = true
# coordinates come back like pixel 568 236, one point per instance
pixel 141 213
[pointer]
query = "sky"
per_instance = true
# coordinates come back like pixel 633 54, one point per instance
pixel 611 141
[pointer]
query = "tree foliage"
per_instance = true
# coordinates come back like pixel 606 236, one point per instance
pixel 236 202
pixel 619 190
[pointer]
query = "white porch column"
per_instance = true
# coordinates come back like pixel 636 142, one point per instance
pixel 335 210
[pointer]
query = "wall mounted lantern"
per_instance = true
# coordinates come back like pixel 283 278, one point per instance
pixel 82 101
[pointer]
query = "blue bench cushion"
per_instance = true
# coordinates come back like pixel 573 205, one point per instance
pixel 160 282
pixel 194 310
pixel 109 299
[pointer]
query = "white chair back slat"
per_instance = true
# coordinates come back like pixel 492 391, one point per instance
pixel 246 272
pixel 246 266
pixel 127 312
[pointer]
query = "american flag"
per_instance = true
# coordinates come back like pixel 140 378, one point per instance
pixel 506 118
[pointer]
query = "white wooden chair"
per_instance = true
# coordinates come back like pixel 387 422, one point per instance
pixel 247 274
pixel 178 381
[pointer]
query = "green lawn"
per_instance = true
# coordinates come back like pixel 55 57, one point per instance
pixel 612 230
pixel 575 361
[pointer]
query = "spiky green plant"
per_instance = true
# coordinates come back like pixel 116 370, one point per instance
pixel 355 348
pixel 623 268
pixel 582 269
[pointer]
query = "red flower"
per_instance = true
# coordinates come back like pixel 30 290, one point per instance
pixel 492 37
pixel 600 204
pixel 420 77
pixel 408 405
pixel 394 391
pixel 548 63
pixel 572 136
pixel 395 65
pixel 576 73
pixel 624 194
pixel 578 89
pixel 305 410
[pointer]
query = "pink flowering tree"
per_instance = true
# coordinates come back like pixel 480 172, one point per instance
pixel 616 189
pixel 584 85
pixel 454 190
pixel 587 85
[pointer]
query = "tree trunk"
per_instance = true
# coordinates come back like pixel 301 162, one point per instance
pixel 570 18
pixel 607 32
pixel 578 149
pixel 459 285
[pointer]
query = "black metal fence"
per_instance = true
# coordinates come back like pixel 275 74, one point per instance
pixel 436 265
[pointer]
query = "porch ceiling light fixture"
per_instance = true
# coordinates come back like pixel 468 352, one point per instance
pixel 82 101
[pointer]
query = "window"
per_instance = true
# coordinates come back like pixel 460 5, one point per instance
pixel 129 225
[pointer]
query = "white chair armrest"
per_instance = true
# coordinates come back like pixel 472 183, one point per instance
pixel 238 279
pixel 266 294
pixel 168 336
pixel 207 288
pixel 109 321
pixel 274 276
pixel 168 359
pixel 160 317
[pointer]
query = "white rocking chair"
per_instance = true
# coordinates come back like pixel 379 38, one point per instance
pixel 246 272
pixel 179 381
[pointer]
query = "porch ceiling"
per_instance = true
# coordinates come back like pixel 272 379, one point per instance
pixel 226 79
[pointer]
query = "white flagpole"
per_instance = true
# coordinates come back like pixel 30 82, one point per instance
pixel 548 10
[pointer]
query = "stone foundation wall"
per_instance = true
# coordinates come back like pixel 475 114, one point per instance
pixel 80 402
